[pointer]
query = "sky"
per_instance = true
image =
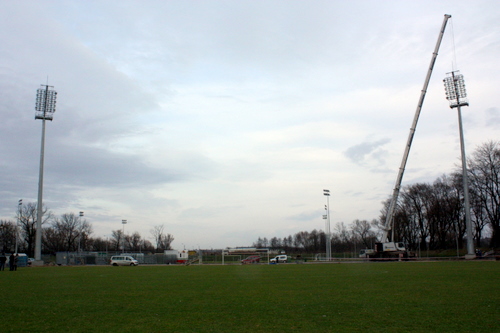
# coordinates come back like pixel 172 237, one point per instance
pixel 225 120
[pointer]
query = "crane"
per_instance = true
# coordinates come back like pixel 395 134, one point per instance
pixel 399 179
pixel 387 246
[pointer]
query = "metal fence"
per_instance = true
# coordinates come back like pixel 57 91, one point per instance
pixel 103 258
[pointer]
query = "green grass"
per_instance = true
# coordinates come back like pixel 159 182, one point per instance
pixel 362 297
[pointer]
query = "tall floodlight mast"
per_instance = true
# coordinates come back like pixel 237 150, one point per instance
pixel 45 108
pixel 395 194
pixel 457 96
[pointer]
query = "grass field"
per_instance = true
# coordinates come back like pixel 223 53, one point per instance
pixel 361 297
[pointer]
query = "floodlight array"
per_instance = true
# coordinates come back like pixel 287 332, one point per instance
pixel 45 103
pixel 455 90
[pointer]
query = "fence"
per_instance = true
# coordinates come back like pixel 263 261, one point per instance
pixel 102 258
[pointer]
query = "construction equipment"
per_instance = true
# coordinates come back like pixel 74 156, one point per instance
pixel 387 247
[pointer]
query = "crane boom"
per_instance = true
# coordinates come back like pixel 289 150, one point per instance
pixel 399 179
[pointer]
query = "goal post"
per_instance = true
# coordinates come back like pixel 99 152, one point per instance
pixel 245 252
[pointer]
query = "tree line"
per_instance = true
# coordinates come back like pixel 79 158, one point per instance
pixel 427 216
pixel 345 238
pixel 72 233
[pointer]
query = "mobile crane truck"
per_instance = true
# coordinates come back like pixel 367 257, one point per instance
pixel 388 248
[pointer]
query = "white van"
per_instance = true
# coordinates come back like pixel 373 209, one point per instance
pixel 123 261
pixel 279 258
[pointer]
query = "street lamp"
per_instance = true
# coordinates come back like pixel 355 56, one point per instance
pixel 123 236
pixel 457 96
pixel 45 108
pixel 326 193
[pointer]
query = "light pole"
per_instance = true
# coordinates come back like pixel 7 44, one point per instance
pixel 123 236
pixel 20 207
pixel 2 230
pixel 325 217
pixel 80 233
pixel 45 108
pixel 457 96
pixel 326 193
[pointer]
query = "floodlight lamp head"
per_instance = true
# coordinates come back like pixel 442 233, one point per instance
pixel 455 90
pixel 45 103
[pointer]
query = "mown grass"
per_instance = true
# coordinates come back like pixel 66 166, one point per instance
pixel 393 297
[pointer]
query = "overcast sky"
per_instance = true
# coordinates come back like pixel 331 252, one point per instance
pixel 225 120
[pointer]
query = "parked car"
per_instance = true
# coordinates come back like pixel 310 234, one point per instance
pixel 123 261
pixel 366 253
pixel 279 258
pixel 251 260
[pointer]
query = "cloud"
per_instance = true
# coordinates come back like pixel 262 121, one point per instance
pixel 493 117
pixel 367 152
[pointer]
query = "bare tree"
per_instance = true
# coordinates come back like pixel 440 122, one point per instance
pixel 275 243
pixel 134 241
pixel 7 236
pixel 163 242
pixel 484 175
pixel 68 233
pixel 99 244
pixel 166 242
pixel 157 233
pixel 117 239
pixel 27 216
pixel 363 231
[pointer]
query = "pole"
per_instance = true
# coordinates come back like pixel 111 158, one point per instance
pixel 20 208
pixel 123 236
pixel 327 226
pixel 325 217
pixel 328 237
pixel 80 232
pixel 468 223
pixel 459 93
pixel 38 237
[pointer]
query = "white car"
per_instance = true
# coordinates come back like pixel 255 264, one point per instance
pixel 123 261
pixel 279 258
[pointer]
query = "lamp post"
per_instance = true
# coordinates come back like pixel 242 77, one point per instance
pixel 2 237
pixel 19 206
pixel 123 236
pixel 326 193
pixel 45 108
pixel 80 232
pixel 457 96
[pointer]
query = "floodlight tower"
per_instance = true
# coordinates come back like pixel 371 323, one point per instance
pixel 457 96
pixel 45 108
pixel 326 193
